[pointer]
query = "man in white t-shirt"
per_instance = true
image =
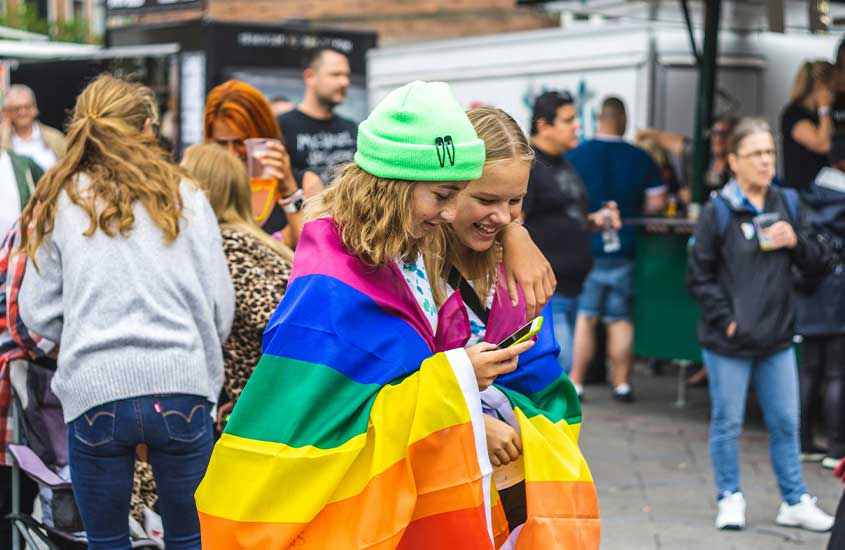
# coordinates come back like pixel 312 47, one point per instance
pixel 24 135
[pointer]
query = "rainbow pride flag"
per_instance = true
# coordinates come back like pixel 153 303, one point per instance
pixel 352 433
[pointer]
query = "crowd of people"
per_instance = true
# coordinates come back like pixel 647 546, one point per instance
pixel 333 337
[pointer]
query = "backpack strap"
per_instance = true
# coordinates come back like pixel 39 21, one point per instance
pixel 792 200
pixel 723 213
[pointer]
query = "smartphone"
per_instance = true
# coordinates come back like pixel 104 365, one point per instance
pixel 522 334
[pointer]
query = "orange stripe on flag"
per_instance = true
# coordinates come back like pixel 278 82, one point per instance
pixel 561 515
pixel 362 521
pixel 460 529
pixel 501 531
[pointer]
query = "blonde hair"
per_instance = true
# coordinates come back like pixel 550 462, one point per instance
pixel 810 74
pixel 106 141
pixel 225 181
pixel 504 142
pixel 374 215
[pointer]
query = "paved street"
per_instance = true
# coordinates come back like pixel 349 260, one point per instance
pixel 652 468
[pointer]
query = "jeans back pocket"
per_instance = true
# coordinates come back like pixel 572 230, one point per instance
pixel 186 418
pixel 95 427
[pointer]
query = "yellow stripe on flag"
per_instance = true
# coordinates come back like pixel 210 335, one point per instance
pixel 250 481
pixel 551 450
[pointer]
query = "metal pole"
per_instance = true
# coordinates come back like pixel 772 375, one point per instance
pixel 706 91
pixel 16 470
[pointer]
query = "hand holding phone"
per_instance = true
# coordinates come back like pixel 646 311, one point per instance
pixel 523 333
pixel 489 362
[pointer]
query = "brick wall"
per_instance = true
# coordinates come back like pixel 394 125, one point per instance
pixel 396 21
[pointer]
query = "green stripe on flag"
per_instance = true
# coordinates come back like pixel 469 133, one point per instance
pixel 299 403
pixel 557 401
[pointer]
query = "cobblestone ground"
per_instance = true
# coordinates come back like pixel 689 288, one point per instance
pixel 651 464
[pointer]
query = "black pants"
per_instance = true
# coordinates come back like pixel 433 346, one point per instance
pixel 821 376
pixel 837 535
pixel 514 504
pixel 29 490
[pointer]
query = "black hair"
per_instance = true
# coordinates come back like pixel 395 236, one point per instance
pixel 314 56
pixel 546 106
pixel 840 49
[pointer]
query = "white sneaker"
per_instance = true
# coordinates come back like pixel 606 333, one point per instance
pixel 731 512
pixel 831 462
pixel 805 514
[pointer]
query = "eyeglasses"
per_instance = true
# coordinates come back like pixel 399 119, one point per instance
pixel 759 154
pixel 17 108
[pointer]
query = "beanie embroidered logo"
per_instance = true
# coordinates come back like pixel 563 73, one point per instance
pixel 445 150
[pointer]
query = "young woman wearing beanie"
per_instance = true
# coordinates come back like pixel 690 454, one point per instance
pixel 128 275
pixel 470 264
pixel 260 265
pixel 380 440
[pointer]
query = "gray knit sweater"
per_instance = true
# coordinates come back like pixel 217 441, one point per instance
pixel 133 315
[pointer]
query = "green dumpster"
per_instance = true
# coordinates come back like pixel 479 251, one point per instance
pixel 665 315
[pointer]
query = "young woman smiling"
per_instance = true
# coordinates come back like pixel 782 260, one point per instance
pixel 469 263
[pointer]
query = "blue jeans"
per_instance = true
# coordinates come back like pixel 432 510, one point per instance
pixel 101 442
pixel 775 379
pixel 564 310
pixel 608 290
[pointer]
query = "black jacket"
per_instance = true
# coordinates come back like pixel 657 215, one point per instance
pixel 733 280
pixel 822 311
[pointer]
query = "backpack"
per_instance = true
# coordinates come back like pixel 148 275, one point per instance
pixel 724 211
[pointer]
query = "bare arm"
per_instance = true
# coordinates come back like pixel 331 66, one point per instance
pixel 672 142
pixel 815 138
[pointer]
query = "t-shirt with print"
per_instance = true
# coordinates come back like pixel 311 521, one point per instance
pixel 556 208
pixel 800 165
pixel 614 170
pixel 416 277
pixel 318 145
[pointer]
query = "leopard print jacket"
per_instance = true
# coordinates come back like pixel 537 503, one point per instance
pixel 260 278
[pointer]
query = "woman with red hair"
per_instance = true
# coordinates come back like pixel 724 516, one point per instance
pixel 234 112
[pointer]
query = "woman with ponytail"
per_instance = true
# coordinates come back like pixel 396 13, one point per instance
pixel 128 275
pixel 806 125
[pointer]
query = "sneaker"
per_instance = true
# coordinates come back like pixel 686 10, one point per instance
pixel 623 393
pixel 813 453
pixel 731 512
pixel 805 514
pixel 831 462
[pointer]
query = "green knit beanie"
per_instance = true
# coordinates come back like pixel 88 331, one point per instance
pixel 420 133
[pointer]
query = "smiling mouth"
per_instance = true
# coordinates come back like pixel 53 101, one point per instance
pixel 486 230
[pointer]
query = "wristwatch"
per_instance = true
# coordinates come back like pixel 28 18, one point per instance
pixel 294 207
pixel 292 203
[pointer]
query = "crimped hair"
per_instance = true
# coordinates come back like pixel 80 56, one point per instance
pixel 106 142
pixel 504 141
pixel 374 215
pixel 246 111
pixel 225 181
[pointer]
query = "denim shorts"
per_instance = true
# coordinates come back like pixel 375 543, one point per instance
pixel 609 290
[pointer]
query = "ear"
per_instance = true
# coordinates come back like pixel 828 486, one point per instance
pixel 542 124
pixel 308 74
pixel 147 130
